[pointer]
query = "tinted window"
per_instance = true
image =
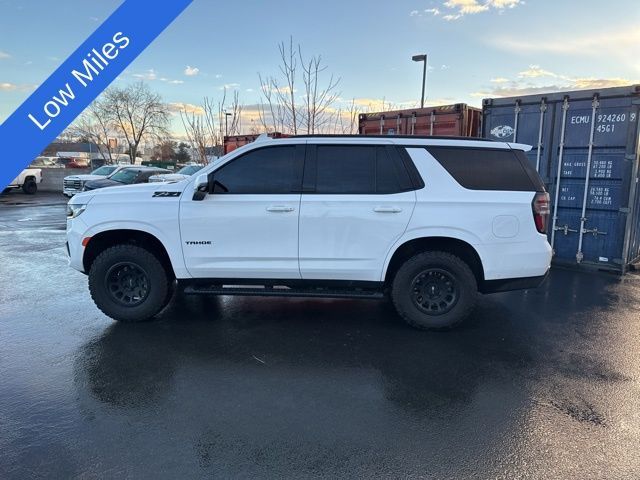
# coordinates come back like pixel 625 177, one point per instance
pixel 486 169
pixel 346 169
pixel 359 169
pixel 189 170
pixel 103 171
pixel 269 170
pixel 391 175
pixel 125 176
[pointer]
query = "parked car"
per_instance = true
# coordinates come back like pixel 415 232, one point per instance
pixel 429 221
pixel 184 172
pixel 69 162
pixel 45 162
pixel 125 176
pixel 75 183
pixel 28 180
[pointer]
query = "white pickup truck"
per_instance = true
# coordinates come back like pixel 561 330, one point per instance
pixel 28 180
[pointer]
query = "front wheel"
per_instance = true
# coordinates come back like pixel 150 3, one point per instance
pixel 434 291
pixel 128 283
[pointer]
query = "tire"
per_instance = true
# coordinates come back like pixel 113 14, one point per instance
pixel 30 187
pixel 434 291
pixel 129 284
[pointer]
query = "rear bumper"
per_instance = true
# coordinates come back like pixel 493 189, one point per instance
pixel 509 284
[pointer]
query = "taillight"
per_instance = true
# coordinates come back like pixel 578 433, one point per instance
pixel 541 210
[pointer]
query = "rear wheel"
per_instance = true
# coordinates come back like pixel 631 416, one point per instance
pixel 434 290
pixel 30 186
pixel 129 284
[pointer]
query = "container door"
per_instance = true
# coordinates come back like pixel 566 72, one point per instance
pixel 591 176
pixel 525 123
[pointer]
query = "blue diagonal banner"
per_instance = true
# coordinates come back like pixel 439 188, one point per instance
pixel 80 79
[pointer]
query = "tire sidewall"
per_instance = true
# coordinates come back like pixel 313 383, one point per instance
pixel 157 297
pixel 30 187
pixel 456 268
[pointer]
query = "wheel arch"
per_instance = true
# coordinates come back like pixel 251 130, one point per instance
pixel 456 246
pixel 109 238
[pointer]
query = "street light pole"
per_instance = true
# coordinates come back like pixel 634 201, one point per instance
pixel 226 123
pixel 422 58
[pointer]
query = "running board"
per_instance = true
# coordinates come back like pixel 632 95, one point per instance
pixel 267 291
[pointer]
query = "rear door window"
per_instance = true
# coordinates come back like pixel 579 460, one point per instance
pixel 359 169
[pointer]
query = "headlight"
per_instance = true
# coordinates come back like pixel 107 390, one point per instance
pixel 74 211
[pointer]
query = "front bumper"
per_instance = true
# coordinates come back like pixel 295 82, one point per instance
pixel 76 229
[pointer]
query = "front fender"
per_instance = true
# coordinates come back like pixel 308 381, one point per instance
pixel 171 245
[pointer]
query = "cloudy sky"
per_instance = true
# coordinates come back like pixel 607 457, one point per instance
pixel 476 48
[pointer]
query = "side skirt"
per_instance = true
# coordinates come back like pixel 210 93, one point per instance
pixel 284 288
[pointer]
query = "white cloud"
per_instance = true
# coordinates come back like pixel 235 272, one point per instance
pixel 466 6
pixel 428 11
pixel 177 107
pixel 535 80
pixel 620 42
pixel 13 87
pixel 534 71
pixel 229 86
pixel 4 55
pixel 176 82
pixel 191 71
pixel 149 75
pixel 451 10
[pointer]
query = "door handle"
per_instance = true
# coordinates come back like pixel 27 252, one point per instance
pixel 387 210
pixel 280 208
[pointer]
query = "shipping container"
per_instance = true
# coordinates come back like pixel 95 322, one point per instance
pixel 595 216
pixel 236 141
pixel 459 120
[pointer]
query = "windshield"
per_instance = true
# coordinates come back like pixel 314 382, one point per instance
pixel 189 169
pixel 125 176
pixel 104 171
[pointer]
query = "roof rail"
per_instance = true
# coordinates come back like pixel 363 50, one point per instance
pixel 416 137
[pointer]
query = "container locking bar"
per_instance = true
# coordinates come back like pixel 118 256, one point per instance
pixel 564 229
pixel 594 231
pixel 515 121
pixel 543 109
pixel 594 108
pixel 565 109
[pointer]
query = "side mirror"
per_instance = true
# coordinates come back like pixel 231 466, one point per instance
pixel 201 187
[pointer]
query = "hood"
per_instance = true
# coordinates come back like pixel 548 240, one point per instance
pixel 169 177
pixel 119 189
pixel 84 178
pixel 101 183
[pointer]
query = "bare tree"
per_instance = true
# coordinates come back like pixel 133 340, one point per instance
pixel 97 125
pixel 139 114
pixel 207 127
pixel 282 109
pixel 318 99
pixel 200 128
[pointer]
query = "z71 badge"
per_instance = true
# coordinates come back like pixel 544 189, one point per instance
pixel 166 194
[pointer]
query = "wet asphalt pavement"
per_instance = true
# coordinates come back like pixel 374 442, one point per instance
pixel 537 384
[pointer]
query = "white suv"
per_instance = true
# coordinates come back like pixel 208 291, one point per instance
pixel 428 221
